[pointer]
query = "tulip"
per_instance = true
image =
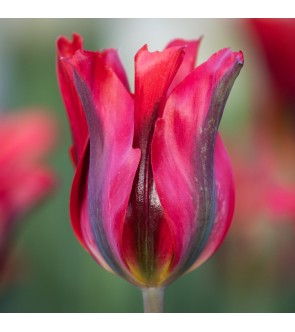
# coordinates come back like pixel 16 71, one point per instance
pixel 24 180
pixel 153 194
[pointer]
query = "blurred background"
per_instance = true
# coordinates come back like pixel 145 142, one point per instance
pixel 254 269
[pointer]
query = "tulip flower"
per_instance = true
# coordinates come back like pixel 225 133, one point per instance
pixel 153 194
pixel 25 138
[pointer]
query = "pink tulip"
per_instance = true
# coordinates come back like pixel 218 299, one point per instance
pixel 25 138
pixel 153 194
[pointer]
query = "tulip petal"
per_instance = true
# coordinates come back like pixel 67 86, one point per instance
pixel 79 210
pixel 189 60
pixel 145 253
pixel 112 60
pixel 67 49
pixel 183 145
pixel 154 72
pixel 225 196
pixel 108 107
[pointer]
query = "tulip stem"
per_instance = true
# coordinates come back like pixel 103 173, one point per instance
pixel 153 299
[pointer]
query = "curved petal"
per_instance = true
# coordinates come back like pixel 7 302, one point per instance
pixel 225 197
pixel 183 145
pixel 112 60
pixel 189 60
pixel 108 107
pixel 67 49
pixel 79 209
pixel 146 254
pixel 154 72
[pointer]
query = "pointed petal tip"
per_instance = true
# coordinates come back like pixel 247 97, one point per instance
pixel 145 49
pixel 64 39
pixel 186 45
pixel 226 60
pixel 67 47
pixel 184 42
pixel 240 57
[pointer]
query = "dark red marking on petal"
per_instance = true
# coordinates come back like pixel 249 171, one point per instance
pixel 225 197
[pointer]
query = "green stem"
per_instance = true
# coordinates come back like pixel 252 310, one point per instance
pixel 153 299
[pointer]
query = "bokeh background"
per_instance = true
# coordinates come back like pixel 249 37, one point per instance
pixel 254 270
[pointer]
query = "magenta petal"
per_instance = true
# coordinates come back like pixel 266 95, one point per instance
pixel 112 60
pixel 189 60
pixel 108 107
pixel 225 198
pixel 66 49
pixel 154 72
pixel 143 249
pixel 183 154
pixel 79 209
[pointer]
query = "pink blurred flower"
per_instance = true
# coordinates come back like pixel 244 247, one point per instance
pixel 265 177
pixel 263 191
pixel 275 39
pixel 25 139
pixel 152 195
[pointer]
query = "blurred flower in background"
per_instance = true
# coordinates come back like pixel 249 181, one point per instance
pixel 275 40
pixel 265 176
pixel 26 138
pixel 264 159
pixel 271 136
